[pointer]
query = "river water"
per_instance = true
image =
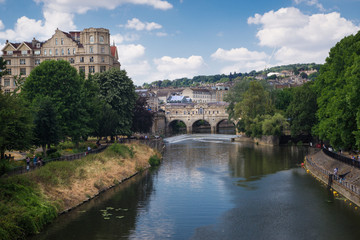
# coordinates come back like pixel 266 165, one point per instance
pixel 211 188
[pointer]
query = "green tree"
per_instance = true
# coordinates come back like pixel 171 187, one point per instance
pixel 106 121
pixel 15 124
pixel 337 88
pixel 282 98
pixel 60 82
pixel 2 68
pixel 274 125
pixel 46 126
pixel 302 110
pixel 142 118
pixel 235 95
pixel 118 90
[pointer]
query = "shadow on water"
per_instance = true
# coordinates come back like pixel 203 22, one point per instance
pixel 112 214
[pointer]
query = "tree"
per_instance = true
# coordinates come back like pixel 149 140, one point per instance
pixel 107 121
pixel 282 98
pixel 302 110
pixel 46 126
pixel 118 90
pixel 2 67
pixel 303 75
pixel 274 125
pixel 15 124
pixel 60 82
pixel 338 87
pixel 142 118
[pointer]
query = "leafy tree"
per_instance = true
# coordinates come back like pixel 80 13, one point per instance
pixel 15 124
pixel 2 67
pixel 60 82
pixel 235 95
pixel 118 90
pixel 282 98
pixel 302 110
pixel 338 88
pixel 274 125
pixel 46 125
pixel 143 118
pixel 107 121
pixel 303 75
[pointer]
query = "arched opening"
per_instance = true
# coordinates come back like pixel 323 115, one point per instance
pixel 226 127
pixel 177 127
pixel 201 126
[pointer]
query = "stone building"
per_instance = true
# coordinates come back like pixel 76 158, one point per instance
pixel 88 51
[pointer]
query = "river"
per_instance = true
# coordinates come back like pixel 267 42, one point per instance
pixel 211 188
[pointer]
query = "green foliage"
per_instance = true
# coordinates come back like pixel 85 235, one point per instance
pixel 120 150
pixel 118 90
pixel 15 124
pixel 142 119
pixel 2 68
pixel 338 88
pixel 154 160
pixel 274 125
pixel 282 98
pixel 60 82
pixel 23 209
pixel 302 110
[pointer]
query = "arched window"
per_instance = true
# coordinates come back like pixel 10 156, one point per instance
pixel 91 38
pixel 101 39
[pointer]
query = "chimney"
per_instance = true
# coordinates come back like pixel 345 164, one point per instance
pixel 33 42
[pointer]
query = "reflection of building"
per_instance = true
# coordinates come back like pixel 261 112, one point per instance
pixel 88 51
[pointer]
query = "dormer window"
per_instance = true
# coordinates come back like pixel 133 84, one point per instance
pixel 91 38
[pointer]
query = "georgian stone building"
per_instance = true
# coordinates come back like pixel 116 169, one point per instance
pixel 88 51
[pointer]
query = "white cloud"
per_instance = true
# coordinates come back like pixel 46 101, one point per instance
pixel 2 26
pixel 130 52
pixel 172 68
pixel 238 54
pixel 244 67
pixel 300 37
pixel 140 26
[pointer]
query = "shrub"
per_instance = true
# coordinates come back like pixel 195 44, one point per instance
pixel 120 150
pixel 154 160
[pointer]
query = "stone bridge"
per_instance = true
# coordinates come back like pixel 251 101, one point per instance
pixel 189 113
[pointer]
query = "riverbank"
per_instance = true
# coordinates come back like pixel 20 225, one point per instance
pixel 264 140
pixel 321 166
pixel 30 201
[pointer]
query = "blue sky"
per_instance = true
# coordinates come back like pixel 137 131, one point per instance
pixel 160 39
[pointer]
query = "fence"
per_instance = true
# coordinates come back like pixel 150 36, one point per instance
pixel 352 162
pixel 157 144
pixel 353 188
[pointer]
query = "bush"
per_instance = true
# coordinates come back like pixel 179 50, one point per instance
pixel 154 160
pixel 121 150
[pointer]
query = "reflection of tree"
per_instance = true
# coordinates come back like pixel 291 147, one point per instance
pixel 251 160
pixel 87 222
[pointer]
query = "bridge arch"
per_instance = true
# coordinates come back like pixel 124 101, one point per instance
pixel 176 126
pixel 201 126
pixel 225 123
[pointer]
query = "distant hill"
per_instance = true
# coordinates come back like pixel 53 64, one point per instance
pixel 223 78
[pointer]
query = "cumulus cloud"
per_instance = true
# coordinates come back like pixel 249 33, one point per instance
pixel 172 68
pixel 138 25
pixel 130 52
pixel 299 37
pixel 2 26
pixel 311 3
pixel 238 54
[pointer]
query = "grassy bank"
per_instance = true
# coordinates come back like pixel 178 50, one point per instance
pixel 30 201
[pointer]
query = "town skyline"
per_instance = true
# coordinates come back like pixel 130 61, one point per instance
pixel 160 40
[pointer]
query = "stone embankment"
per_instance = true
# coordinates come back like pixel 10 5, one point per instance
pixel 264 140
pixel 322 166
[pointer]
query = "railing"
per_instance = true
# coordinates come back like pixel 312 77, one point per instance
pixel 352 162
pixel 353 188
pixel 155 144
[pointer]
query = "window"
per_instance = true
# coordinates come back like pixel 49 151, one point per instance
pixel 45 52
pixel 22 62
pixel 74 51
pixel 102 59
pixel 62 41
pixel 6 82
pixel 81 59
pixel 68 51
pixel 102 50
pixel 102 68
pixel 56 52
pixel 9 52
pixel 7 91
pixel 91 59
pixel 101 38
pixel 24 52
pixel 50 52
pixel 91 49
pixel 71 60
pixel 91 38
pixel 37 52
pixel 62 52
pixel 82 69
pixel 8 71
pixel 22 71
pixel 38 45
pixel 37 61
pixel 55 41
pixel 8 62
pixel 91 69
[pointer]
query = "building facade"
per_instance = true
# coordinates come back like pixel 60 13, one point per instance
pixel 88 51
